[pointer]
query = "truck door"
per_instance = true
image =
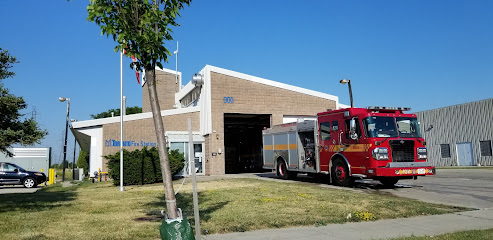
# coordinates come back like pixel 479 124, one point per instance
pixel 354 149
pixel 325 138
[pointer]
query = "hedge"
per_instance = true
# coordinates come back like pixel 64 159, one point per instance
pixel 142 166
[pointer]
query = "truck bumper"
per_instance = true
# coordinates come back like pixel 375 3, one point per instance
pixel 403 171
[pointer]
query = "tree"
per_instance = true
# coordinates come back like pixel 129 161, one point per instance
pixel 83 161
pixel 14 129
pixel 140 27
pixel 116 112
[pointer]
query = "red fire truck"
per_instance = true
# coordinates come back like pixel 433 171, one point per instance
pixel 381 143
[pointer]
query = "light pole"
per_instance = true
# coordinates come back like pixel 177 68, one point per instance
pixel 75 149
pixel 62 99
pixel 344 81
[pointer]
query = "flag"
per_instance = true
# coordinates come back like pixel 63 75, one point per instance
pixel 137 74
pixel 134 60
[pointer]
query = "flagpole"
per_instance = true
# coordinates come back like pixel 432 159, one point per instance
pixel 121 121
pixel 176 65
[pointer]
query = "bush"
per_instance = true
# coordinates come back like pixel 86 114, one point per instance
pixel 142 166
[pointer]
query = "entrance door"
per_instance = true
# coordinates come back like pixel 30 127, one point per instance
pixel 464 154
pixel 197 153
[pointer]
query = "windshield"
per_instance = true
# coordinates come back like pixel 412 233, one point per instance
pixel 380 127
pixel 388 127
pixel 408 127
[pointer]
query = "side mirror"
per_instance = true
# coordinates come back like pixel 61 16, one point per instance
pixel 16 170
pixel 352 129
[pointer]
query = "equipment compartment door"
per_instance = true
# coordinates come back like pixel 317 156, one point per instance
pixel 292 151
pixel 268 152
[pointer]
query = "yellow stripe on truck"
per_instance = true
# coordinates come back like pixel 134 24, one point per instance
pixel 268 147
pixel 281 147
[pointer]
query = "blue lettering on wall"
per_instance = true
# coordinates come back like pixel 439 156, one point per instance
pixel 116 143
pixel 228 99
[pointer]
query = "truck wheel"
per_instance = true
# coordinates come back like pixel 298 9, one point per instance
pixel 388 181
pixel 340 174
pixel 282 170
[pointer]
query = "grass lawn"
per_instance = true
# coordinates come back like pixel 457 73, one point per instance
pixel 100 211
pixel 486 234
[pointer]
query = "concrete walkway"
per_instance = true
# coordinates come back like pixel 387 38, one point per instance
pixel 383 229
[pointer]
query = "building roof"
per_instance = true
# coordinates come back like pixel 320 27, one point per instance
pixel 132 117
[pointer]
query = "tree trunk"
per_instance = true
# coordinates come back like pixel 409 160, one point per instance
pixel 161 141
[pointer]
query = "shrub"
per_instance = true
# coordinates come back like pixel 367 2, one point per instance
pixel 142 166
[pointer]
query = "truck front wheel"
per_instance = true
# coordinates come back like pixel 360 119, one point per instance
pixel 340 173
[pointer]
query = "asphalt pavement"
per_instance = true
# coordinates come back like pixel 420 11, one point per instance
pixel 17 189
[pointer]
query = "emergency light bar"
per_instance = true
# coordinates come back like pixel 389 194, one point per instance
pixel 389 108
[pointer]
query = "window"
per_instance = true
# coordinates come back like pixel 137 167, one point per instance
pixel 485 148
pixel 191 98
pixel 380 127
pixel 445 150
pixel 325 131
pixel 8 168
pixel 358 130
pixel 408 127
pixel 335 126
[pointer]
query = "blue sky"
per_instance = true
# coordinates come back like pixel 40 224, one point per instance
pixel 418 54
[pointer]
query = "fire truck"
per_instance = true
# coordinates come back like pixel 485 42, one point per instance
pixel 381 143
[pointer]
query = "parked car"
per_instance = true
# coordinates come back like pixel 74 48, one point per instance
pixel 11 174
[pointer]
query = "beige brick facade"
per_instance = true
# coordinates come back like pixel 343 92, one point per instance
pixel 252 98
pixel 142 132
pixel 166 86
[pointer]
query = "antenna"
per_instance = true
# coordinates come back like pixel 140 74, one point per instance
pixel 176 67
pixel 34 113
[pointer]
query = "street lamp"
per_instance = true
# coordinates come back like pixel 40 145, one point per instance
pixel 75 149
pixel 62 99
pixel 344 81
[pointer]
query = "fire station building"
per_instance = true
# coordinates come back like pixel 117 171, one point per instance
pixel 228 110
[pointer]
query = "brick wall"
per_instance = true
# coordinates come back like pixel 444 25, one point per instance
pixel 252 98
pixel 142 131
pixel 166 88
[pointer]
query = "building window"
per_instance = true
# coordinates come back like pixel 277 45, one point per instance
pixel 485 148
pixel 445 150
pixel 191 98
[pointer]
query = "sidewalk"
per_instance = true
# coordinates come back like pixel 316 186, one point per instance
pixel 383 229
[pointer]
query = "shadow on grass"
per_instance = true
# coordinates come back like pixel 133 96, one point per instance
pixel 44 199
pixel 185 202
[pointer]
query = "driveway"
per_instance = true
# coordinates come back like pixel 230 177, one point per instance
pixel 17 189
pixel 460 187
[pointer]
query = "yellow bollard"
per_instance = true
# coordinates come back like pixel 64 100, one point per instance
pixel 99 174
pixel 51 176
pixel 43 183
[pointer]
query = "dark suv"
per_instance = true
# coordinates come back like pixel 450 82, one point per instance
pixel 11 174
